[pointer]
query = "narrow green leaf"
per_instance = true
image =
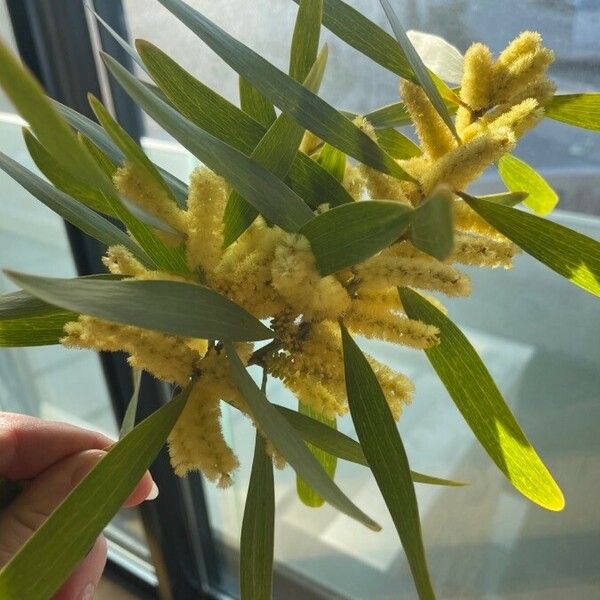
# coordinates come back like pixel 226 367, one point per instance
pixel 219 117
pixel 481 404
pixel 183 309
pixel 54 134
pixel 397 115
pixel 288 443
pixel 385 453
pixel 276 152
pixel 127 145
pixel 344 447
pixel 129 418
pixel 349 234
pixel 269 195
pixel 255 104
pixel 328 461
pixel 396 144
pixel 570 254
pixel 418 67
pixel 505 198
pixel 40 330
pixel 97 135
pixel 68 534
pixel 333 161
pixel 286 93
pixel 72 211
pixel 518 176
pixel 258 528
pixel 581 110
pixel 432 224
pixel 305 40
pixel 103 160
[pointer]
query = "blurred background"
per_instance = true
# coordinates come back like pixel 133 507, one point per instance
pixel 537 334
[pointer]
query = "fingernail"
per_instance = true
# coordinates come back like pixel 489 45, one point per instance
pixel 88 592
pixel 153 494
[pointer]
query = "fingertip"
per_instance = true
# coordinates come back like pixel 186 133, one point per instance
pixel 146 489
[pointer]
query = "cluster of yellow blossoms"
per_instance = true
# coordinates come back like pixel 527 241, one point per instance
pixel 272 273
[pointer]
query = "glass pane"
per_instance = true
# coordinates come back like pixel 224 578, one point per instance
pixel 540 344
pixel 6 34
pixel 52 382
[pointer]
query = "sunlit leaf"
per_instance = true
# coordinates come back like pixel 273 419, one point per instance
pixel 438 55
pixel 305 40
pixel 432 224
pixel 505 198
pixel 351 233
pixel 481 404
pixel 333 161
pixel 287 442
pixel 581 110
pixel 68 534
pixel 397 144
pixel 255 104
pixel 258 528
pixel 184 309
pixel 387 458
pixel 518 176
pixel 312 112
pixel 571 254
pixel 129 418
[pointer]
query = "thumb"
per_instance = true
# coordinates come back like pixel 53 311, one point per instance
pixel 35 504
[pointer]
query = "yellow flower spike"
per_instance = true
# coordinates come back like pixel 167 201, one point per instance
pixel 137 185
pixel 482 251
pixel 435 136
pixel 119 261
pixel 526 42
pixel 542 90
pixel 204 219
pixel 462 165
pixel 296 278
pixel 384 187
pixel 476 85
pixel 197 345
pixel 310 143
pixel 424 273
pixel 518 118
pixel 397 388
pixel 196 443
pixel 354 181
pixel 466 219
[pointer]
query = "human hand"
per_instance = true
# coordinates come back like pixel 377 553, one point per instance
pixel 53 457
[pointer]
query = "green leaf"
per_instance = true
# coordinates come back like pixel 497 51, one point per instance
pixel 333 161
pixel 305 40
pixel 328 461
pixel 219 117
pixel 581 110
pixel 505 198
pixel 351 233
pixel 66 536
pixel 518 176
pixel 344 447
pixel 54 134
pixel 276 152
pixel 255 104
pixel 385 453
pixel 258 528
pixel 173 307
pixel 481 404
pixel 432 224
pixel 423 77
pixel 290 96
pixel 97 135
pixel 105 162
pixel 570 254
pixel 396 115
pixel 128 146
pixel 396 144
pixel 40 330
pixel 129 418
pixel 438 55
pixel 269 195
pixel 69 209
pixel 288 443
